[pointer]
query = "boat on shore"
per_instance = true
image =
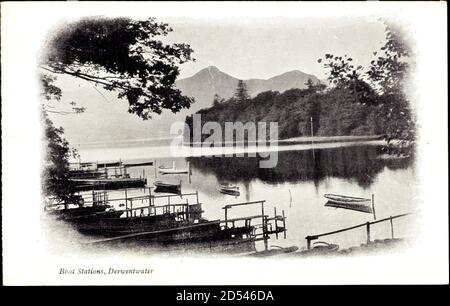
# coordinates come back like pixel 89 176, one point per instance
pixel 274 251
pixel 347 202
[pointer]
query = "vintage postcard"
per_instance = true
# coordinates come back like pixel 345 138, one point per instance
pixel 180 143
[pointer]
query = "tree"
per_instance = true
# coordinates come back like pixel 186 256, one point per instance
pixel 55 174
pixel 241 93
pixel 312 87
pixel 118 54
pixel 122 55
pixel 217 100
pixel 389 72
pixel 344 75
pixel 381 84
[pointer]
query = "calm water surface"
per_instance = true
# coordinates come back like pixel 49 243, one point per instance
pixel 297 185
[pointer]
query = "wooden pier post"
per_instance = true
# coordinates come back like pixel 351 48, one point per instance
pixel 284 224
pixel 276 223
pixel 368 232
pixel 155 168
pixel 264 227
pixel 312 138
pixel 131 208
pixel 149 200
pixel 226 216
pixel 392 227
pixel 308 242
pixel 126 201
pixel 373 207
pixel 196 193
pixel 187 211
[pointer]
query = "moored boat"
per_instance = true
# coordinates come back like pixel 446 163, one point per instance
pixel 229 189
pixel 167 187
pixel 108 183
pixel 347 202
pixel 173 169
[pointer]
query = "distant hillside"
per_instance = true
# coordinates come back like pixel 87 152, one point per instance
pixel 210 81
pixel 334 112
pixel 106 118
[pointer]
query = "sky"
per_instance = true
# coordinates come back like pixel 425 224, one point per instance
pixel 264 47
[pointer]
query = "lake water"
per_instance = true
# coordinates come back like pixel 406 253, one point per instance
pixel 296 185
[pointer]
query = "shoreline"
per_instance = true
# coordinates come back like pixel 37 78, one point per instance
pixel 303 140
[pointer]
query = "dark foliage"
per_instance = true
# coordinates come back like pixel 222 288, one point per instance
pixel 56 166
pixel 125 56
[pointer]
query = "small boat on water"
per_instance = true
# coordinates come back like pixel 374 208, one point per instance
pixel 229 189
pixel 167 187
pixel 347 202
pixel 173 169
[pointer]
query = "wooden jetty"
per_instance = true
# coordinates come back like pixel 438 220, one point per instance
pixel 91 170
pixel 173 222
pixel 83 184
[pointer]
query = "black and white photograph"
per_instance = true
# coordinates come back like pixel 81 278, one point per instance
pixel 188 143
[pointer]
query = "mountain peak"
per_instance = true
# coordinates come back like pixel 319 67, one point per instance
pixel 294 73
pixel 210 70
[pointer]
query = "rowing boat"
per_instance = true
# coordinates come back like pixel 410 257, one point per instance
pixel 229 189
pixel 173 170
pixel 347 202
pixel 167 187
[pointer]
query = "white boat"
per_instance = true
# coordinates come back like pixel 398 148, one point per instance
pixel 352 203
pixel 173 169
pixel 229 189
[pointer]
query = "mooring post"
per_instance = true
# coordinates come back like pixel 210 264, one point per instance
pixel 284 224
pixel 308 242
pixel 226 216
pixel 264 225
pixel 155 167
pixel 275 216
pixel 392 227
pixel 126 201
pixel 196 193
pixel 149 200
pixel 373 207
pixel 187 210
pixel 368 232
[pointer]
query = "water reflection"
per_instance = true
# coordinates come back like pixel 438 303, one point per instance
pixel 358 164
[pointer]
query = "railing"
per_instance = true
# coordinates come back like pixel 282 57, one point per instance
pixel 367 225
pixel 150 208
pixel 266 226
